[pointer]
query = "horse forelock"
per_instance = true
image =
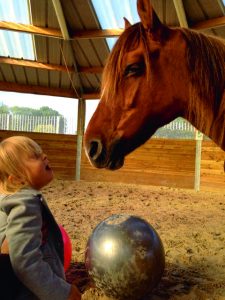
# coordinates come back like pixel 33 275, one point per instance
pixel 206 64
pixel 113 70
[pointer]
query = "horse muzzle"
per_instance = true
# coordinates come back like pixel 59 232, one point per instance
pixel 100 156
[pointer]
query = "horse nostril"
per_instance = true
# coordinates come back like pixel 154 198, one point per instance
pixel 95 149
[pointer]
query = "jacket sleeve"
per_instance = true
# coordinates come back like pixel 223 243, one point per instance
pixel 24 238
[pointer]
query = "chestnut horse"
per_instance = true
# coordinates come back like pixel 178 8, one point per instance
pixel 153 75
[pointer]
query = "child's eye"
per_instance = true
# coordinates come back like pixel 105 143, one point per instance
pixel 37 155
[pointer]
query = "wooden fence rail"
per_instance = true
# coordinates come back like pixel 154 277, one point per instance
pixel 163 162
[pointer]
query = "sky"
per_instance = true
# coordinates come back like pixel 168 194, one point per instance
pixel 110 16
pixel 65 106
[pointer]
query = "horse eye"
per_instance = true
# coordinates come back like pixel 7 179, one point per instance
pixel 135 69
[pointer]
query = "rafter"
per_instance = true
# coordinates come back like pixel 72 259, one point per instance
pixel 95 33
pixel 43 31
pixel 49 67
pixel 34 64
pixel 42 90
pixel 211 23
pixel 56 33
pixel 179 7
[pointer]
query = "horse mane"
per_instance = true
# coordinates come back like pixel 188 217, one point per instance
pixel 113 71
pixel 206 64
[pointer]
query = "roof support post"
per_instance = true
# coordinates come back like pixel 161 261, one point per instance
pixel 179 7
pixel 198 135
pixel 198 154
pixel 80 134
pixel 81 102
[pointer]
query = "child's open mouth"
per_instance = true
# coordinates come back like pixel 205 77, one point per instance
pixel 48 167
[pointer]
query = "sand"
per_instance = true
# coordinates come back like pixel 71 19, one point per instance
pixel 191 226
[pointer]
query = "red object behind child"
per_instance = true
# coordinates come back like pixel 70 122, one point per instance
pixel 67 248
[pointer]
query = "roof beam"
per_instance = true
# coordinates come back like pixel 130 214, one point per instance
pixel 211 23
pixel 179 7
pixel 42 90
pixel 56 33
pixel 36 89
pixel 34 64
pixel 43 31
pixel 48 67
pixel 95 33
pixel 81 102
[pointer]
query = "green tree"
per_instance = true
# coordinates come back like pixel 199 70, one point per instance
pixel 4 109
pixel 42 111
pixel 47 111
pixel 19 110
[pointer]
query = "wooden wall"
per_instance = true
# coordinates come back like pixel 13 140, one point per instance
pixel 212 170
pixel 158 162
pixel 60 148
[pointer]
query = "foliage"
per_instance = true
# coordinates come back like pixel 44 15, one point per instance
pixel 45 128
pixel 46 119
pixel 42 111
pixel 4 109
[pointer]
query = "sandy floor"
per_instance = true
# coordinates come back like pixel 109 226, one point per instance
pixel 191 226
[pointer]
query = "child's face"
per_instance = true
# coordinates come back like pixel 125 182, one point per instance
pixel 38 170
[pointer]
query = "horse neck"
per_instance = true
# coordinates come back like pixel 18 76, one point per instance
pixel 218 127
pixel 214 124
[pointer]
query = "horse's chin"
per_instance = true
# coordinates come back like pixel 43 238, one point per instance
pixel 115 164
pixel 112 164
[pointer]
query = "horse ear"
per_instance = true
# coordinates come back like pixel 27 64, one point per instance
pixel 126 23
pixel 148 17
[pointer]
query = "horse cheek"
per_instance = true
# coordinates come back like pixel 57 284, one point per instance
pixel 100 119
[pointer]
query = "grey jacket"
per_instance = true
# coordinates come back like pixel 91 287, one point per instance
pixel 38 264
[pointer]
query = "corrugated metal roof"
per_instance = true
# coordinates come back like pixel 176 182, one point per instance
pixel 84 15
pixel 14 44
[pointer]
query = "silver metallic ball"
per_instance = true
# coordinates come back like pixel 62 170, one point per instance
pixel 125 257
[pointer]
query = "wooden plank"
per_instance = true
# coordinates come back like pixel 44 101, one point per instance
pixel 36 89
pixel 211 23
pixel 94 33
pixel 61 150
pixel 43 31
pixel 158 162
pixel 212 170
pixel 48 67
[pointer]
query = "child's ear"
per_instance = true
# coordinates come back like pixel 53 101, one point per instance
pixel 15 180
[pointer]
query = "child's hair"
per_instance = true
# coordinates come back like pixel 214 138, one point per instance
pixel 13 152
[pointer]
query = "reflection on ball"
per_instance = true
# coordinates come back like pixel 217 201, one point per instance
pixel 125 257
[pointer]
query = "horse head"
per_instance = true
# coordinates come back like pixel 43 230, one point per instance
pixel 145 85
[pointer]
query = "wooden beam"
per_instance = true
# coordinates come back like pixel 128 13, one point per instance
pixel 48 32
pixel 56 33
pixel 95 33
pixel 42 90
pixel 91 96
pixel 49 67
pixel 211 23
pixel 35 64
pixel 36 89
pixel 179 7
